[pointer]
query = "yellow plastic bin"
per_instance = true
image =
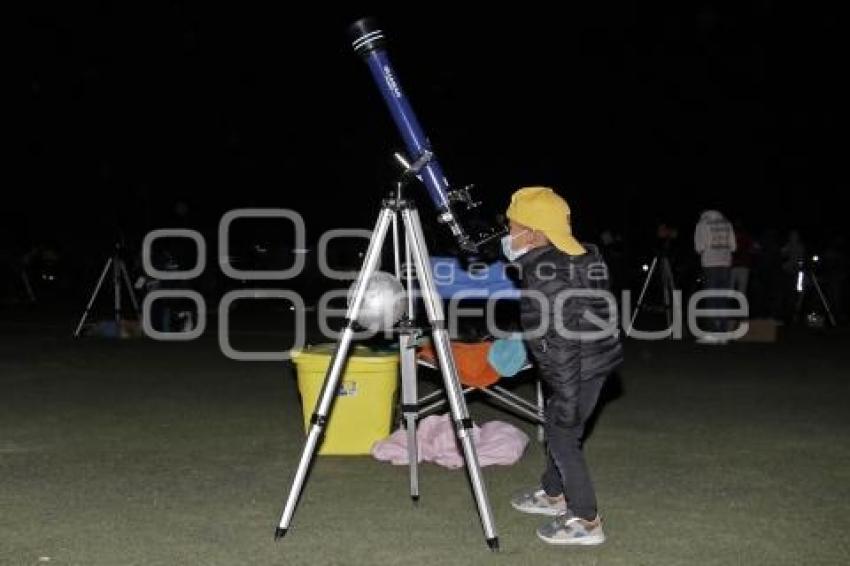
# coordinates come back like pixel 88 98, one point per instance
pixel 363 409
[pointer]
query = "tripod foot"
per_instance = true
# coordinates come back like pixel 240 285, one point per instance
pixel 279 533
pixel 415 499
pixel 493 543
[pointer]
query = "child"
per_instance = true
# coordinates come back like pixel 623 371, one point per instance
pixel 571 361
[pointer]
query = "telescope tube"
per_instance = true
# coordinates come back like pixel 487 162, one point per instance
pixel 368 41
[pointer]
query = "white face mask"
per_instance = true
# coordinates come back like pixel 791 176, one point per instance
pixel 509 251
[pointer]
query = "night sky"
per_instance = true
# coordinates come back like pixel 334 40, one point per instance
pixel 637 115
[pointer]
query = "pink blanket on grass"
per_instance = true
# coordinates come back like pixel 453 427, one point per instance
pixel 496 442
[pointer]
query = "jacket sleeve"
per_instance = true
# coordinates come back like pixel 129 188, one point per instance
pixel 559 359
pixel 562 372
pixel 699 238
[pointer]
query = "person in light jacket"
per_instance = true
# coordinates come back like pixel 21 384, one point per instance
pixel 714 241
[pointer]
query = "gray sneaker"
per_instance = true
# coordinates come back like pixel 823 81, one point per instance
pixel 568 529
pixel 536 502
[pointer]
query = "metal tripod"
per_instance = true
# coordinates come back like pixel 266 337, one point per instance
pixel 668 287
pixel 119 274
pixel 414 245
pixel 806 279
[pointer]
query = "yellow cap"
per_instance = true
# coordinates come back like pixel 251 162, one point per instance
pixel 540 208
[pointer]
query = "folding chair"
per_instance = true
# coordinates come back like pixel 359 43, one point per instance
pixel 481 282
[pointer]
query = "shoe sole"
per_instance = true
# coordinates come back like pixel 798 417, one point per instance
pixel 587 541
pixel 537 510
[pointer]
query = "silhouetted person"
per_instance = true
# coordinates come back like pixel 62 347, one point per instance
pixel 742 259
pixel 793 252
pixel 768 274
pixel 793 258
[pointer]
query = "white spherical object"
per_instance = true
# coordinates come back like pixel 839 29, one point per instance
pixel 384 302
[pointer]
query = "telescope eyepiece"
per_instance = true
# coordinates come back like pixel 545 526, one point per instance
pixel 366 36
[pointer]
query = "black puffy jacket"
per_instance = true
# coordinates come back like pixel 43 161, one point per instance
pixel 574 347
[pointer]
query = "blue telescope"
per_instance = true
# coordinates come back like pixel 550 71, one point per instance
pixel 368 41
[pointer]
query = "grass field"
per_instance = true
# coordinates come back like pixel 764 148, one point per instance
pixel 134 452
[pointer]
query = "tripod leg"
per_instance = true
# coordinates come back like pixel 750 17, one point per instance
pixel 463 423
pixel 801 295
pixel 93 297
pixel 335 368
pixel 27 287
pixel 396 248
pixel 116 284
pixel 407 346
pixel 823 300
pixel 669 288
pixel 409 406
pixel 642 293
pixel 130 290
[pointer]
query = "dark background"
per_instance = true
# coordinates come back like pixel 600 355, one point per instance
pixel 637 115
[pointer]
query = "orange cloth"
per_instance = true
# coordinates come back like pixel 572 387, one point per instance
pixel 471 360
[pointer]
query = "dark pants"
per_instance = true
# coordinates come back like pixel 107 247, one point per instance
pixel 566 471
pixel 717 278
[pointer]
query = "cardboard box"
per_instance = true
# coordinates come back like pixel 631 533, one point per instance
pixel 761 330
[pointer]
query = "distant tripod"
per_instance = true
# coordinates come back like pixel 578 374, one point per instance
pixel 806 279
pixel 115 264
pixel 27 286
pixel 661 263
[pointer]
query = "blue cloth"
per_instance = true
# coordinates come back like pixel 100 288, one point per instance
pixel 508 356
pixel 482 281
